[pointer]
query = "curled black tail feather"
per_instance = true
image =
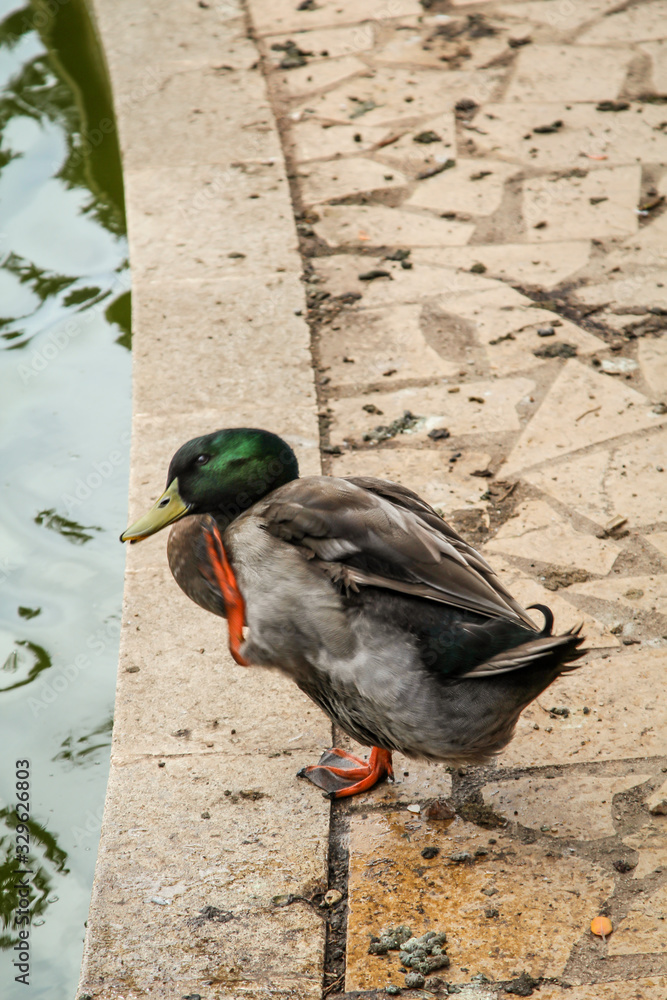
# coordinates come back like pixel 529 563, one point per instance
pixel 548 617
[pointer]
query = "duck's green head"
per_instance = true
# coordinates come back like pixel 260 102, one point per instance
pixel 223 474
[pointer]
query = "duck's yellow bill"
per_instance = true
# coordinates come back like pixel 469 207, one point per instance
pixel 169 508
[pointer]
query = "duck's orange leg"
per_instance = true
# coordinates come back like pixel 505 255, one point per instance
pixel 352 775
pixel 226 581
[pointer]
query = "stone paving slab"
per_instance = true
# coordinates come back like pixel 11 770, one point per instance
pixel 624 137
pixel 217 323
pixel 531 883
pixel 509 262
pixel 203 833
pixel 626 718
pixel 580 74
pixel 639 23
pixel 173 204
pixel 342 225
pixel 271 17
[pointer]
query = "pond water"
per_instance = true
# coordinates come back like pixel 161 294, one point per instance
pixel 65 429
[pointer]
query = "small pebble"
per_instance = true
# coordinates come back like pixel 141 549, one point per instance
pixel 393 991
pixel 374 273
pixel 612 106
pixel 438 809
pixel 546 331
pixel 426 137
pixel 546 129
pixel 430 852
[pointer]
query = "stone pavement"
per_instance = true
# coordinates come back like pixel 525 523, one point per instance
pixel 479 193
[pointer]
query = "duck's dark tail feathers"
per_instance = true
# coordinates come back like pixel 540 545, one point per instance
pixel 548 617
pixel 556 652
pixel 570 639
pixel 573 639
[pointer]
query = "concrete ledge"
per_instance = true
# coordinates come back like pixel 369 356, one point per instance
pixel 201 829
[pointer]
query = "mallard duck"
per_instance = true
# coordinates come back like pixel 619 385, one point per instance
pixel 362 594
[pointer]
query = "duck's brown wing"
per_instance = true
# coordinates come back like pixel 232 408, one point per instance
pixel 371 532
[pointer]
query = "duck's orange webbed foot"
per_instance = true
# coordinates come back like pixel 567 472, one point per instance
pixel 226 581
pixel 340 773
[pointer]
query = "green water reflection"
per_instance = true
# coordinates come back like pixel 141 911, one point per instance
pixel 64 435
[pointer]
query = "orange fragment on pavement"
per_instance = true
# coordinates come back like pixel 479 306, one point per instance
pixel 601 926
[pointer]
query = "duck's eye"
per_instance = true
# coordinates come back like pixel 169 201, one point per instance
pixel 203 459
